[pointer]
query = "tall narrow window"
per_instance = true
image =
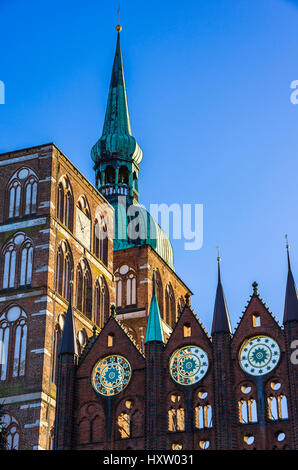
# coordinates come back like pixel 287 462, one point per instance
pixel 14 199
pixel 13 343
pixel 31 195
pixel 26 264
pixel 22 193
pixel 12 432
pixel 64 270
pixel 84 288
pixel 123 425
pixel 97 312
pixel 65 203
pixel 18 251
pixel 131 290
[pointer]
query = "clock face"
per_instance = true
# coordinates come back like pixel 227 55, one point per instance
pixel 259 355
pixel 111 375
pixel 83 228
pixel 188 365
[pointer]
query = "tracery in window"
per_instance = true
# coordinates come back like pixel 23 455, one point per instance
pixel 12 432
pixel 65 203
pixel 100 240
pixel 22 193
pixel 203 411
pixel 84 288
pixel 64 269
pixel 277 407
pixel 13 343
pixel 126 286
pixel 17 255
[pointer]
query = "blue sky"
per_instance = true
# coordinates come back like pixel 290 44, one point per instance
pixel 208 86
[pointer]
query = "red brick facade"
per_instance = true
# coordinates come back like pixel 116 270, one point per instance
pixel 45 198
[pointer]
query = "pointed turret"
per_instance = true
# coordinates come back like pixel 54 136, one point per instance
pixel 117 154
pixel 221 320
pixel 154 330
pixel 68 343
pixel 291 298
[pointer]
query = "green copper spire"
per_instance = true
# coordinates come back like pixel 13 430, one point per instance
pixel 117 140
pixel 154 331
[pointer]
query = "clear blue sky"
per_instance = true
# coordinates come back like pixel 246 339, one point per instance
pixel 208 86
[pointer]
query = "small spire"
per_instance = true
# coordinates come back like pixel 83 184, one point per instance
pixel 68 343
pixel 291 297
pixel 255 286
pixel 221 320
pixel 154 330
pixel 187 298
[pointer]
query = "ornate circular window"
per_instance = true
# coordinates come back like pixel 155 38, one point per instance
pixel 188 365
pixel 259 355
pixel 111 375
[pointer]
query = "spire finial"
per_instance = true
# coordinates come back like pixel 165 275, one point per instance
pixel 255 288
pixel 288 251
pixel 218 262
pixel 118 27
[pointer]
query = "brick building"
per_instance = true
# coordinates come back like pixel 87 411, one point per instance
pixel 129 366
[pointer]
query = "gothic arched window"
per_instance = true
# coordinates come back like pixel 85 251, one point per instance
pixel 17 255
pixel 65 203
pixel 170 305
pixel 64 269
pixel 13 343
pixel 12 432
pixel 22 193
pixel 159 293
pixel 126 286
pixel 84 289
pixel 57 340
pixel 100 240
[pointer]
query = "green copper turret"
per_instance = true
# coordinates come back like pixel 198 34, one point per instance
pixel 117 154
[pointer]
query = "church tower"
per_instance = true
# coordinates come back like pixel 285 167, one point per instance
pixel 140 244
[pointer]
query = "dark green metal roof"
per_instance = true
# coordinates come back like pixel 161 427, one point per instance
pixel 154 331
pixel 117 139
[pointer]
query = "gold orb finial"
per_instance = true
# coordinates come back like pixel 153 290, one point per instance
pixel 218 256
pixel 118 28
pixel 287 242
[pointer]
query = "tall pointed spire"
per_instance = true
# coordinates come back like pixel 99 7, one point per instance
pixel 117 140
pixel 221 320
pixel 291 298
pixel 154 331
pixel 68 343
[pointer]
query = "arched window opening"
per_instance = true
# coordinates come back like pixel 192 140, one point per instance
pixel 123 425
pixel 64 271
pixel 126 286
pixel 247 411
pixel 105 300
pixel 12 432
pixel 13 343
pixel 79 287
pixel 84 206
pixel 118 280
pixel 65 203
pixel 277 407
pixel 57 341
pixel 176 419
pixel 18 261
pixel 123 175
pixel 110 175
pixel 81 340
pixel 170 306
pixel 204 445
pixel 159 292
pixel 131 294
pixel 31 195
pixel 101 240
pixel 14 199
pixel 203 416
pixel 22 193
